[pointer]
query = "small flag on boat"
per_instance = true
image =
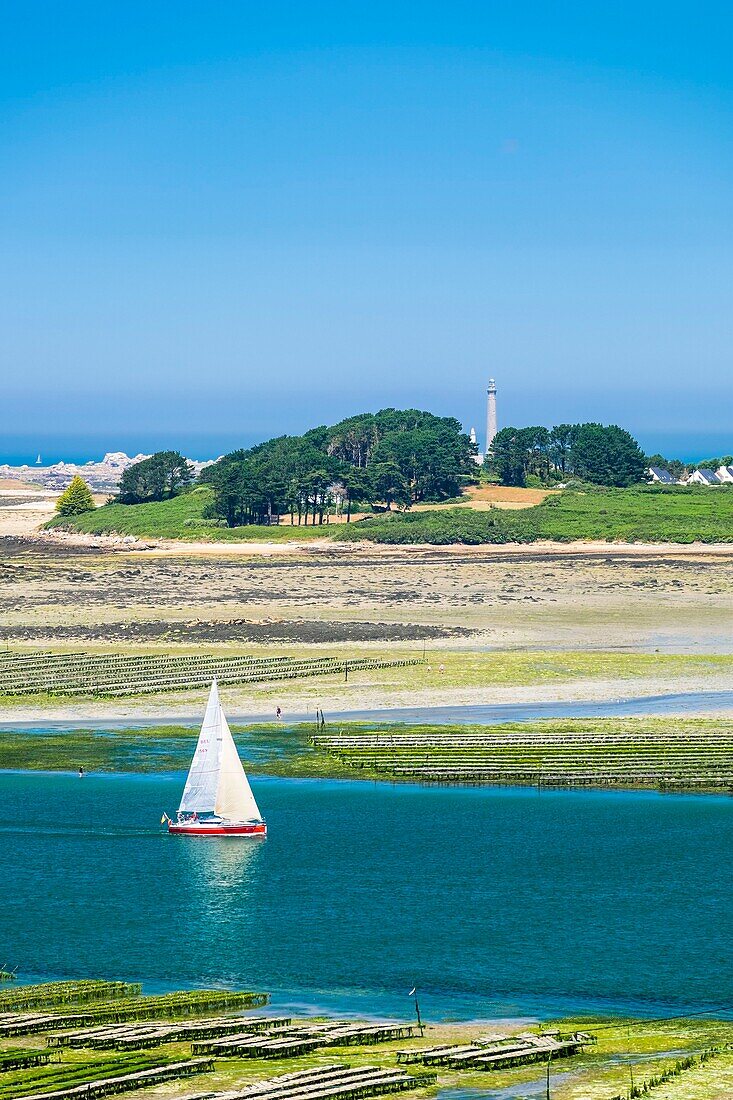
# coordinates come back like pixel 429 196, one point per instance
pixel 163 819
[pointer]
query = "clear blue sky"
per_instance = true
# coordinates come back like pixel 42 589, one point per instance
pixel 222 221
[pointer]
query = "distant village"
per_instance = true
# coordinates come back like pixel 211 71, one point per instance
pixel 101 477
pixel 701 476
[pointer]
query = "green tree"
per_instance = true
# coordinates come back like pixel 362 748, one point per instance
pixel 388 484
pixel 606 455
pixel 162 475
pixel 233 492
pixel 76 499
pixel 358 486
pixel 508 456
pixel 561 444
pixel 432 458
pixel 413 455
pixel 288 473
pixel 714 463
pixel 354 440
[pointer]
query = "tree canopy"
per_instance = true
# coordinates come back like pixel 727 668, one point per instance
pixel 76 499
pixel 607 455
pixel 162 475
pixel 392 457
pixel 603 454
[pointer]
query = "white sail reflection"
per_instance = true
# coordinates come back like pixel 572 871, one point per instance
pixel 219 867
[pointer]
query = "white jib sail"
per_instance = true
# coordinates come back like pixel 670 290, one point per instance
pixel 199 794
pixel 234 798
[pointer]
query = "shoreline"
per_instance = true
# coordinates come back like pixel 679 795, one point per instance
pixel 152 546
pixel 286 752
pixel 302 705
pixel 306 1003
pixel 376 780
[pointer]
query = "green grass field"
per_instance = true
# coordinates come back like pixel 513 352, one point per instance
pixel 179 518
pixel 645 514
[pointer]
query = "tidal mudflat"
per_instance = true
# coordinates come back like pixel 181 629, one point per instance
pixel 497 626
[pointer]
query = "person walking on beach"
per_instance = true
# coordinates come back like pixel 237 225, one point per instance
pixel 278 713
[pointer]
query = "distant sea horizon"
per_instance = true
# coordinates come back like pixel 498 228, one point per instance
pixel 23 450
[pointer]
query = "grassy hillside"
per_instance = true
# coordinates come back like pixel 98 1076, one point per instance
pixel 179 518
pixel 644 514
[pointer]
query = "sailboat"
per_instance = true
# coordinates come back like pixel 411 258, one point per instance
pixel 217 799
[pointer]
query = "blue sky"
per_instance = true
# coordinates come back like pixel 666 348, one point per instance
pixel 223 221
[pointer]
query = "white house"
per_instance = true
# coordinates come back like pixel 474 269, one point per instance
pixel 725 474
pixel 703 477
pixel 661 476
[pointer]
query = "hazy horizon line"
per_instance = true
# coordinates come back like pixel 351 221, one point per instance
pixel 22 450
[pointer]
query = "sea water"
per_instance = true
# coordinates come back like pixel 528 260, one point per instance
pixel 494 902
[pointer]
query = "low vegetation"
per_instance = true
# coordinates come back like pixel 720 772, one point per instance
pixel 117 674
pixel 676 514
pixel 643 514
pixel 283 750
pixel 666 753
pixel 59 994
pixel 77 1069
pixel 659 753
pixel 181 517
pixel 443 669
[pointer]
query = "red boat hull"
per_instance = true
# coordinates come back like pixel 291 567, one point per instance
pixel 201 828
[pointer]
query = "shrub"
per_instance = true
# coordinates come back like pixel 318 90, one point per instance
pixel 76 499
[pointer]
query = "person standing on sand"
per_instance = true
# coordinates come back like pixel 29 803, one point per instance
pixel 278 713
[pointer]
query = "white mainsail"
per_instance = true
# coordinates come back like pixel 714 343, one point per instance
pixel 216 780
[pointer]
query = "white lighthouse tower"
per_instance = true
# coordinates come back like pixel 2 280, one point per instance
pixel 491 428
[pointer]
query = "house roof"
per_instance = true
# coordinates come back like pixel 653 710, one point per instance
pixel 660 474
pixel 707 476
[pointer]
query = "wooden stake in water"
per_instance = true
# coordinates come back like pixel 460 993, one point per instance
pixel 413 993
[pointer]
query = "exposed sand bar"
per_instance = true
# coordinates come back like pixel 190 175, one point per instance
pixel 674 696
pixel 545 549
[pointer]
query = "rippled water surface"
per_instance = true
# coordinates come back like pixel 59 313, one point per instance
pixel 495 902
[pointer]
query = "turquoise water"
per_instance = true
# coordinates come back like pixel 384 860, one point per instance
pixel 495 902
